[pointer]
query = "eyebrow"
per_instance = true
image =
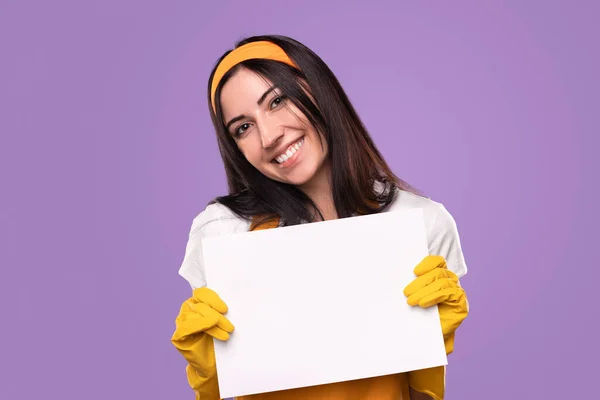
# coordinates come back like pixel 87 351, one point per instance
pixel 260 100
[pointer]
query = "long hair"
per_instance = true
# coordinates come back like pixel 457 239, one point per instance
pixel 362 181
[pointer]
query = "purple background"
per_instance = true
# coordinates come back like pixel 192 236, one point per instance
pixel 107 154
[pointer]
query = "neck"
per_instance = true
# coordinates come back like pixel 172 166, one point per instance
pixel 319 190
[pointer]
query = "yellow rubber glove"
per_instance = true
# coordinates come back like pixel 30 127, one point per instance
pixel 436 284
pixel 199 321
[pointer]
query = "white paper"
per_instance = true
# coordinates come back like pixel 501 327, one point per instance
pixel 322 303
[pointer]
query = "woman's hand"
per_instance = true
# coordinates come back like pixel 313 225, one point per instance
pixel 436 284
pixel 201 318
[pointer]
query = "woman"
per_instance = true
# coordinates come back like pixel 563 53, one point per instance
pixel 295 151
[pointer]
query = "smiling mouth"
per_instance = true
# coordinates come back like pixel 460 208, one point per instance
pixel 290 152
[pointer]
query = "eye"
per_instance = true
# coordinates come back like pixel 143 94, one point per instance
pixel 277 101
pixel 241 129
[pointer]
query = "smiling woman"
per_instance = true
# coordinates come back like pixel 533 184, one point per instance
pixel 295 151
pixel 271 92
pixel 271 131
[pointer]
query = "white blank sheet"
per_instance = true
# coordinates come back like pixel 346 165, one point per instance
pixel 321 303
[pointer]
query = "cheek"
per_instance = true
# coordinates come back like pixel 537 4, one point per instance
pixel 251 152
pixel 320 148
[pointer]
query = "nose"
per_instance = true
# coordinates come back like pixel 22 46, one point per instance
pixel 270 132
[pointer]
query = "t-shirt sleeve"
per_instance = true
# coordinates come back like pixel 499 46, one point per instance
pixel 215 220
pixel 444 241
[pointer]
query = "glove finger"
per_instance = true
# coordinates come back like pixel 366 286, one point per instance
pixel 429 263
pixel 448 294
pixel 431 289
pixel 211 298
pixel 428 278
pixel 224 324
pixel 191 323
pixel 197 318
pixel 217 333
pixel 211 315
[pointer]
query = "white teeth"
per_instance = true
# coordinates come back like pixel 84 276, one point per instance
pixel 290 152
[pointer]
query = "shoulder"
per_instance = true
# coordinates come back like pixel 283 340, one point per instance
pixel 215 220
pixel 433 212
pixel 442 231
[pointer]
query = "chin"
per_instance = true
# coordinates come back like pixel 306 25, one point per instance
pixel 298 177
pixel 293 180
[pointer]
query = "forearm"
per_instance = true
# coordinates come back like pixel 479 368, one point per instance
pixel 205 388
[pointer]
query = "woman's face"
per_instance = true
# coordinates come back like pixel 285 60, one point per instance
pixel 274 136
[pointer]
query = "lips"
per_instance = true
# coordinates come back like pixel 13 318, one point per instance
pixel 289 151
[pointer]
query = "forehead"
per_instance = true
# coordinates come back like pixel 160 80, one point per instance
pixel 241 92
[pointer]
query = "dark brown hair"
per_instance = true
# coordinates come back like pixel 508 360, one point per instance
pixel 356 163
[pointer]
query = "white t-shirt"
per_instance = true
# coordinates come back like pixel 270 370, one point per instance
pixel 217 220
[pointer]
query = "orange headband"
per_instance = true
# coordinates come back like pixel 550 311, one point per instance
pixel 253 50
